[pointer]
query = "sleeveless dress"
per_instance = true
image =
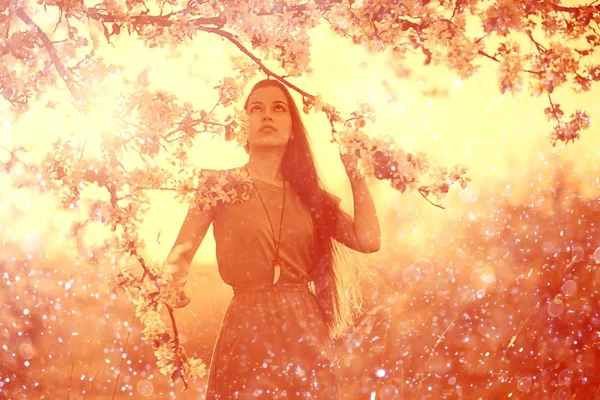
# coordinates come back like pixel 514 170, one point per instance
pixel 273 341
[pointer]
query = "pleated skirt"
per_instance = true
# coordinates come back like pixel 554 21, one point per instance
pixel 273 344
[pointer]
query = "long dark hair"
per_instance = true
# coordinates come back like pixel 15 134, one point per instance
pixel 338 290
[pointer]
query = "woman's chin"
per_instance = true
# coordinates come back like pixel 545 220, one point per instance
pixel 268 144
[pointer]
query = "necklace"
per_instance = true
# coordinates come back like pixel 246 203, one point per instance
pixel 276 263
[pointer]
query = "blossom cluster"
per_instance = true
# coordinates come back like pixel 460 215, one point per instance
pixel 384 159
pixel 150 293
pixel 218 187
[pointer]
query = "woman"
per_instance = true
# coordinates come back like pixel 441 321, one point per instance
pixel 274 338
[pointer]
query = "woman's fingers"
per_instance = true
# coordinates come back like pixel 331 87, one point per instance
pixel 182 300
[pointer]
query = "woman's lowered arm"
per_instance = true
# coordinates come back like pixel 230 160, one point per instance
pixel 192 233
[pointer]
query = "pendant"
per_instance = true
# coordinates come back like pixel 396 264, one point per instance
pixel 276 272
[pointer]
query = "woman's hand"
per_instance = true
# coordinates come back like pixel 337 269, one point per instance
pixel 179 282
pixel 350 165
pixel 179 274
pixel 182 299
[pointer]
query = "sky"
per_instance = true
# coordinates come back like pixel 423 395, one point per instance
pixel 499 137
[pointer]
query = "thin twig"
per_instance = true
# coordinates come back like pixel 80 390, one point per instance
pixel 432 203
pixel 83 148
pixel 439 340
pixel 129 329
pixel 540 48
pixel 70 380
pixel 385 335
pixel 552 108
pixel 544 296
pixel 92 383
pixel 483 53
pixel 178 349
pixel 514 338
pixel 412 229
pixel 495 58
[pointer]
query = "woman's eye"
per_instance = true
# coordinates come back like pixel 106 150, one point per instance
pixel 277 108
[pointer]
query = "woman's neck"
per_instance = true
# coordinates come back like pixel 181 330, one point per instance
pixel 265 167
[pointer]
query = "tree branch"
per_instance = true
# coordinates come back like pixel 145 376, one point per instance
pixel 178 349
pixel 553 109
pixel 160 20
pixel 421 192
pixel 495 58
pixel 229 36
pixel 538 46
pixel 201 25
pixel 51 51
pixel 558 7
pixel 483 53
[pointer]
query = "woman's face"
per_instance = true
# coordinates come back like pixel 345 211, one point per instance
pixel 269 117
